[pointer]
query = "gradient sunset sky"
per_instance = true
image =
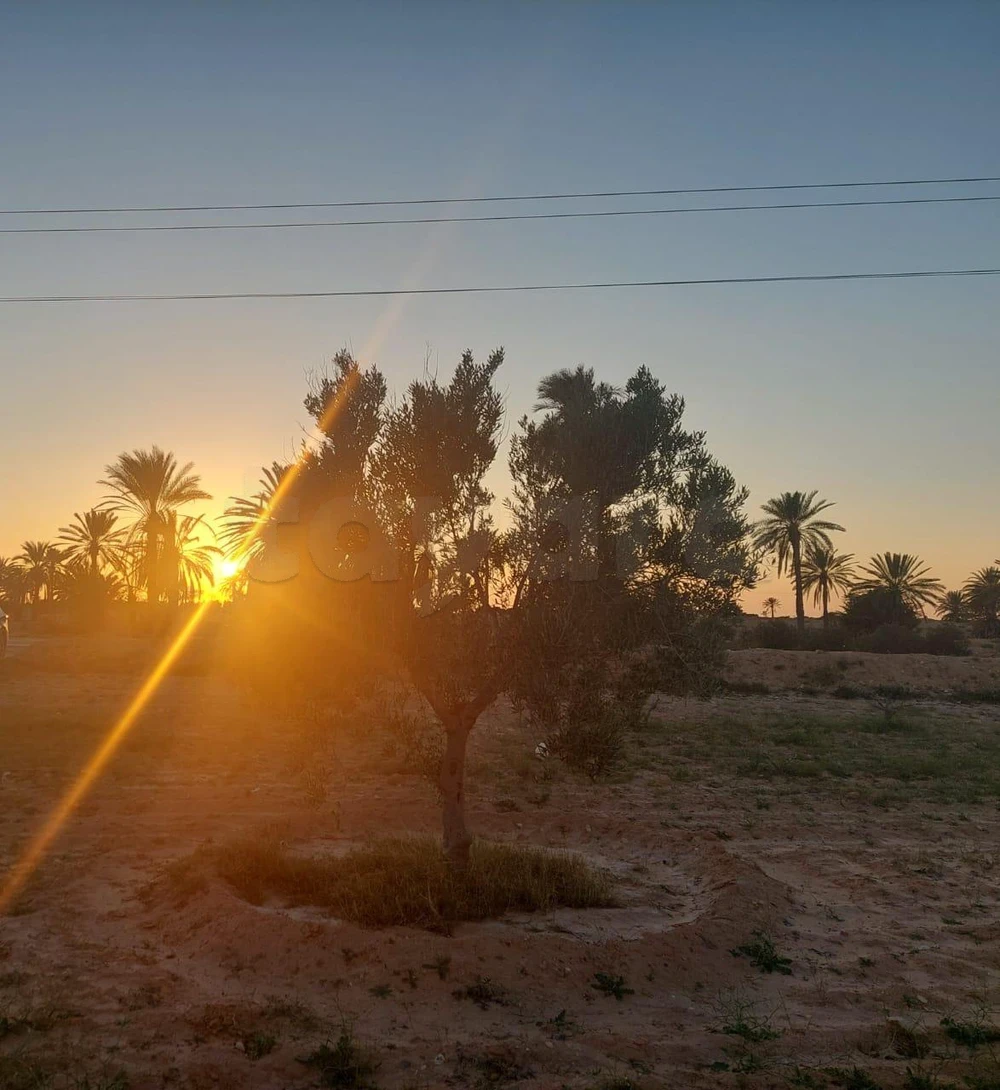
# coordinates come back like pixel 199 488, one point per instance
pixel 882 395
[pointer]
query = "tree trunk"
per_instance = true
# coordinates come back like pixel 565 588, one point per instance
pixel 800 607
pixel 152 563
pixel 452 783
pixel 826 607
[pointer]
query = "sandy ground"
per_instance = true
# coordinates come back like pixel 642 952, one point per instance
pixel 882 892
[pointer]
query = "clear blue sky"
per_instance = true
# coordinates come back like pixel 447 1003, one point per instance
pixel 882 395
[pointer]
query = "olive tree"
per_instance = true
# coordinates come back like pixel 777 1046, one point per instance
pixel 623 546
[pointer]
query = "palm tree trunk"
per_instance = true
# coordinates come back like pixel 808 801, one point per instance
pixel 152 563
pixel 826 605
pixel 800 606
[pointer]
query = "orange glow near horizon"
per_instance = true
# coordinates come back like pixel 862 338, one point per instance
pixel 227 568
pixel 18 875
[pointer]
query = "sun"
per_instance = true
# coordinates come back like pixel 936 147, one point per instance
pixel 228 567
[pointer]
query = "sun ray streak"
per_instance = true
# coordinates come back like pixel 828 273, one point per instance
pixel 18 875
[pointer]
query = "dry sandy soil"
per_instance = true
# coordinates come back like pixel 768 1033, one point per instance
pixel 860 840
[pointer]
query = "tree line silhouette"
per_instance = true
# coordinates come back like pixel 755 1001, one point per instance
pixel 137 545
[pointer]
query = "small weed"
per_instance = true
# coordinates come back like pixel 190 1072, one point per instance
pixel 381 991
pixel 483 992
pixel 562 1027
pixel 610 985
pixel 763 955
pixel 441 965
pixel 258 1045
pixel 740 1018
pixel 346 1064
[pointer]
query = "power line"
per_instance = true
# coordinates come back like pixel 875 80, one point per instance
pixel 493 218
pixel 488 200
pixel 481 290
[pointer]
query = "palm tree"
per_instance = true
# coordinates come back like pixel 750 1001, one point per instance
pixel 187 562
pixel 903 575
pixel 826 572
pixel 951 607
pixel 40 560
pixel 150 485
pixel 92 536
pixel 12 582
pixel 981 594
pixel 770 605
pixel 791 524
pixel 245 516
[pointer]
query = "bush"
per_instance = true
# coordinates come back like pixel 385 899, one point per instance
pixel 594 745
pixel 891 639
pixel 408 881
pixel 946 639
pixel 874 609
pixel 774 636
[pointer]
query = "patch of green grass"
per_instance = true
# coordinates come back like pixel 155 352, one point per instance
pixel 407 881
pixel 763 955
pixel 916 754
pixel 345 1064
pixel 610 985
pixel 972 1034
pixel 975 696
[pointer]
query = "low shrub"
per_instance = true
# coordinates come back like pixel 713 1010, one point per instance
pixel 593 744
pixel 407 881
pixel 890 639
pixel 345 1063
pixel 946 639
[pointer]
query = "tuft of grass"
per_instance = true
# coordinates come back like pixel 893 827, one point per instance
pixel 408 882
pixel 610 985
pixel 763 955
pixel 258 1045
pixel 483 992
pixel 345 1064
pixel 853 1079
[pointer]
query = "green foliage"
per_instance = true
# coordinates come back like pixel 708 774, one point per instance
pixel 591 739
pixel 611 985
pixel 904 580
pixel 972 1034
pixel 345 1064
pixel 409 882
pixel 763 955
